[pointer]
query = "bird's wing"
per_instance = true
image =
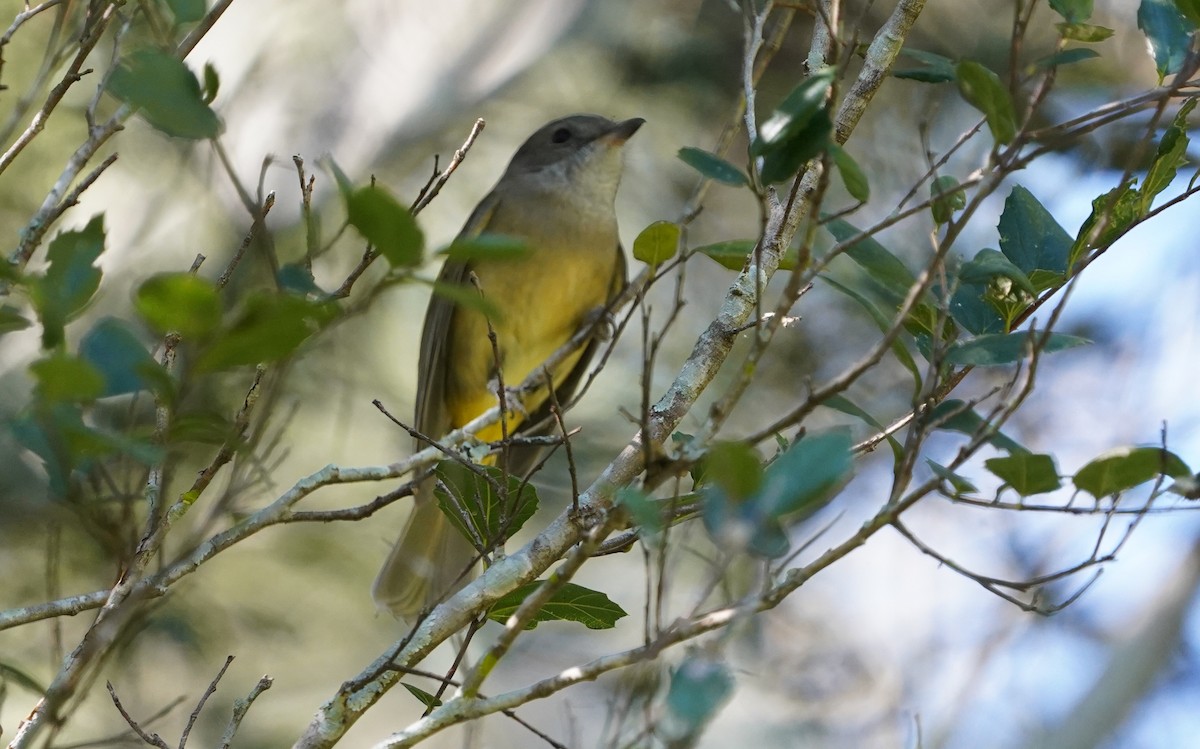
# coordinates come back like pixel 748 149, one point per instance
pixel 432 416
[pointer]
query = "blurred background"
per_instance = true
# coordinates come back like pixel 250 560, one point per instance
pixel 885 649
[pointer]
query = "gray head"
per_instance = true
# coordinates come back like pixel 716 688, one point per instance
pixel 559 150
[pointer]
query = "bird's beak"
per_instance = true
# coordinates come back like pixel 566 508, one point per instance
pixel 622 131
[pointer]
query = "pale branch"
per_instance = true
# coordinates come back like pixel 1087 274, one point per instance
pixel 69 606
pixel 202 28
pixel 276 513
pixel 767 326
pixel 20 19
pixel 877 63
pixel 240 708
pixel 195 714
pixel 151 739
pixel 51 208
pixel 824 42
pixel 93 32
pixel 460 709
pixel 752 40
pixel 427 195
pixel 156 476
pixel 53 205
pixel 256 226
pixel 53 57
pixel 534 602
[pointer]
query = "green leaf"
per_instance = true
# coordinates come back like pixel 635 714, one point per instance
pixel 1066 57
pixel 744 506
pixel 806 474
pixel 1171 154
pixel 11 319
pixel 998 285
pixel 645 513
pixel 493 516
pixel 268 328
pixel 732 467
pixel 31 434
pixel 1126 467
pixel 386 224
pixel 732 254
pixel 1114 212
pixel 186 11
pixel 297 278
pixel 946 197
pixel 487 246
pixel 71 279
pixel 1026 473
pixel 784 161
pixel 425 698
pixel 166 92
pixel 735 253
pixel 982 89
pixel 939 69
pixel 1167 32
pixel 10 674
pixel 700 687
pixel 1190 10
pixel 65 444
pixel 893 276
pixel 970 309
pixel 853 176
pixel 955 416
pixel 1084 32
pixel 999 349
pixel 1072 11
pixel 848 407
pixel 988 264
pixel 180 302
pixel 883 322
pixel 212 84
pixel 344 183
pixel 468 298
pixel 61 377
pixel 203 427
pixel 959 483
pixel 712 166
pixel 793 118
pixel 570 603
pixel 924 75
pixel 1029 235
pixel 657 243
pixel 117 353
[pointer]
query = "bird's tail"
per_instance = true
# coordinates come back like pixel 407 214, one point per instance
pixel 428 562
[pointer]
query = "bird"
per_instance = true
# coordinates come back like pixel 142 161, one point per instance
pixel 556 197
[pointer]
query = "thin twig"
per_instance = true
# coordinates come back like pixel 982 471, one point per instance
pixel 427 195
pixel 240 708
pixel 151 739
pixel 212 687
pixel 74 73
pixel 255 227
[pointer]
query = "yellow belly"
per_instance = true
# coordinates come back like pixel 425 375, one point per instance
pixel 542 299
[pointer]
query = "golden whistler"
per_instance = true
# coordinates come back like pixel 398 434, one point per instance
pixel 556 196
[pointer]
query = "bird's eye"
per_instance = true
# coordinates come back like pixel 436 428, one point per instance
pixel 561 135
